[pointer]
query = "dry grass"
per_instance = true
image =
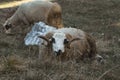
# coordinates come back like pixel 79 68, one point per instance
pixel 20 62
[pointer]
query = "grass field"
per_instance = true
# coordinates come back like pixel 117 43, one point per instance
pixel 100 18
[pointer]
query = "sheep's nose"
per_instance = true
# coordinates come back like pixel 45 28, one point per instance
pixel 58 52
pixel 7 27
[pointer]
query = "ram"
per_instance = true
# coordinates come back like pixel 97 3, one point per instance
pixel 35 11
pixel 69 43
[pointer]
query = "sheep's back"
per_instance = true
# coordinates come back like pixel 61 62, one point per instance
pixel 36 10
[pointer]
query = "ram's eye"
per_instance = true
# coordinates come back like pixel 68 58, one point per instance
pixel 53 40
pixel 66 41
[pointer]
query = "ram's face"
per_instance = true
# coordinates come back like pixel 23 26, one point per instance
pixel 58 41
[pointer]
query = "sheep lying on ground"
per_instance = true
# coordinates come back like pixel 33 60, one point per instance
pixel 34 11
pixel 69 43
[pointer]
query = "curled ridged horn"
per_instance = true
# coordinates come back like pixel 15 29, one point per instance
pixel 74 39
pixel 44 38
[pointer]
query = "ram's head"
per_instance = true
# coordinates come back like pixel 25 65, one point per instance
pixel 7 26
pixel 58 41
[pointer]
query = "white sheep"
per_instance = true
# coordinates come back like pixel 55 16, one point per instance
pixel 35 11
pixel 69 43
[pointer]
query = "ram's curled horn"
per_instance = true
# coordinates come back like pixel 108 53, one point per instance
pixel 74 39
pixel 44 38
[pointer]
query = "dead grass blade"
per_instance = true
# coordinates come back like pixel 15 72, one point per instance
pixel 107 72
pixel 46 75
